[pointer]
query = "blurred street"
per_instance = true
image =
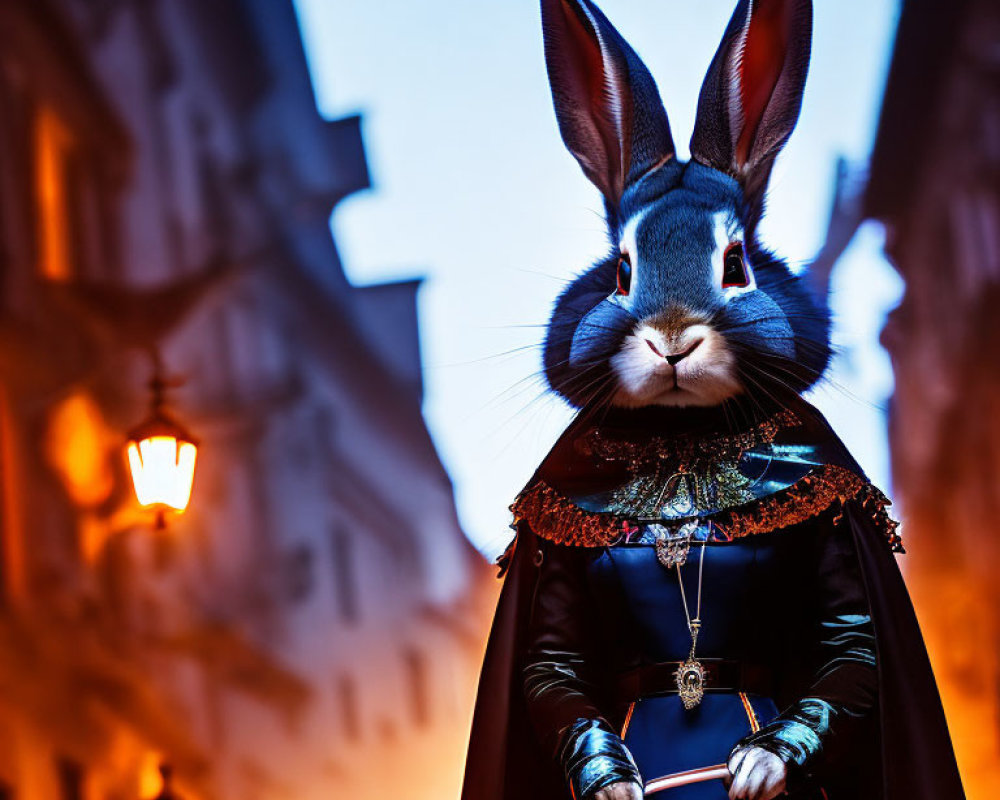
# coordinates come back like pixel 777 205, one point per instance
pixel 311 626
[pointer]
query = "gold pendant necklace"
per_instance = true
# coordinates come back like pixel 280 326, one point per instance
pixel 690 675
pixel 672 550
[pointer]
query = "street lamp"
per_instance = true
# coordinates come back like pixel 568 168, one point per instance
pixel 161 457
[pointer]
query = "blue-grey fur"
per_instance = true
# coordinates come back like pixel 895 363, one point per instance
pixel 778 334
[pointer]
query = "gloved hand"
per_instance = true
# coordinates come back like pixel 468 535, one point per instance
pixel 756 774
pixel 796 736
pixel 595 759
pixel 620 791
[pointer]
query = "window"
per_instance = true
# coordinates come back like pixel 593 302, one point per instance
pixel 53 189
pixel 345 585
pixel 68 151
pixel 71 779
pixel 11 563
pixel 299 574
pixel 416 675
pixel 350 714
pixel 5 532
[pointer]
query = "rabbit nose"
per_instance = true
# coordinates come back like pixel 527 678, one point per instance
pixel 673 359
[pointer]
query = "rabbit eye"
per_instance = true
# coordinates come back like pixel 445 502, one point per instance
pixel 734 268
pixel 624 274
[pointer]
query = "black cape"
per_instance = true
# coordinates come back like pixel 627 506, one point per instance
pixel 909 752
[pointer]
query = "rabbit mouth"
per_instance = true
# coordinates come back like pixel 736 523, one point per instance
pixel 693 367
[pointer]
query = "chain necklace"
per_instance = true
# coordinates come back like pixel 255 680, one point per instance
pixel 690 675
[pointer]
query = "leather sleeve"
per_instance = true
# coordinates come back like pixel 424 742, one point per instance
pixel 561 671
pixel 816 730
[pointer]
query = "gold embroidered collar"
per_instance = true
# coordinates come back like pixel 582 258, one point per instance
pixel 554 517
pixel 683 452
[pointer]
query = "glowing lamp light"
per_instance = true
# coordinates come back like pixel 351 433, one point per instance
pixel 161 457
pixel 162 470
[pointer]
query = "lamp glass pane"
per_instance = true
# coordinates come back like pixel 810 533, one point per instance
pixel 162 471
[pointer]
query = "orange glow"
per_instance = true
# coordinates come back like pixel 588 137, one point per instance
pixel 150 779
pixel 52 143
pixel 75 447
pixel 162 471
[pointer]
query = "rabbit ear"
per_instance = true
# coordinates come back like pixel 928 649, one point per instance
pixel 752 94
pixel 609 110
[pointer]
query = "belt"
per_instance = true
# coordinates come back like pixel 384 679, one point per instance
pixel 721 675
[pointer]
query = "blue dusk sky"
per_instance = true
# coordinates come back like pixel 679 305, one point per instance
pixel 473 190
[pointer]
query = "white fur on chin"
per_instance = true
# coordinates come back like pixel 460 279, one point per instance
pixel 706 377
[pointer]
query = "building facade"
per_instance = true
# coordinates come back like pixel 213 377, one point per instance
pixel 935 183
pixel 313 624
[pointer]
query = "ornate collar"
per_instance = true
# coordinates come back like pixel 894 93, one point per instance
pixel 598 486
pixel 683 451
pixel 554 517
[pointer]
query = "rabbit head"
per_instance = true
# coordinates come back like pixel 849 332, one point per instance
pixel 688 309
